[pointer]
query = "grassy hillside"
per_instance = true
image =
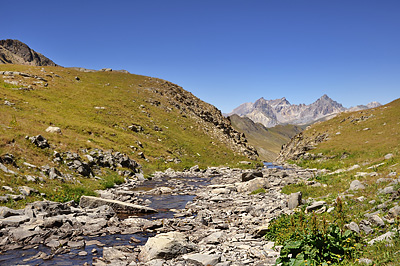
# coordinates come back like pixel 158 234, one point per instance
pixel 267 141
pixel 96 110
pixel 362 138
pixel 363 146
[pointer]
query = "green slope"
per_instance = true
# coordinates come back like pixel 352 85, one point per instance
pixel 95 110
pixel 364 137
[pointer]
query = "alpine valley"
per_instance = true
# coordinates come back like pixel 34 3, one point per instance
pixel 105 167
pixel 269 124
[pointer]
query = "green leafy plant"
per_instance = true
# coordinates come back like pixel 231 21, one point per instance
pixel 320 247
pixel 286 227
pixel 309 240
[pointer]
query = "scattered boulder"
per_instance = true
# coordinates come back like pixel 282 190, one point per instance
pixel 294 200
pixel 25 190
pixel 40 141
pixel 165 246
pixel 315 206
pixel 376 220
pixel 356 185
pixel 365 261
pixel 203 259
pixel 8 159
pixel 261 230
pixel 251 175
pixel 394 212
pixel 81 168
pixel 7 212
pixel 389 156
pixel 385 237
pixel 136 128
pixel 118 206
pixel 14 221
pixel 353 227
pixel 387 190
pixel 53 130
pixel 194 169
pixel 5 169
pixel 254 184
pixel 365 227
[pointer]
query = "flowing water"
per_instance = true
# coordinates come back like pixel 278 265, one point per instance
pixel 271 165
pixel 24 256
pixel 162 203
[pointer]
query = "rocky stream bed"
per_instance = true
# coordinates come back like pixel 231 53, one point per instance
pixel 196 217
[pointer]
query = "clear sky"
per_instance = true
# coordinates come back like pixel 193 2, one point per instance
pixel 226 52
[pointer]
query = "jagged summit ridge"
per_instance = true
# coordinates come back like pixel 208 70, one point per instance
pixel 280 111
pixel 17 52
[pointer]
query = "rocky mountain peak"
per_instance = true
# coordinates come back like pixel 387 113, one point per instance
pixel 324 98
pixel 373 104
pixel 17 52
pixel 280 111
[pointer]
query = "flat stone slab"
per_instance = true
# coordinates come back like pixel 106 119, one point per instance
pixel 118 206
pixel 14 220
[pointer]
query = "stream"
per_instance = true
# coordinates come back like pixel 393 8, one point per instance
pixel 183 192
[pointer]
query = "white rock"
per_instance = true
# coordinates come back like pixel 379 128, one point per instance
pixel 165 246
pixel 388 156
pixel 203 259
pixel 356 185
pixel 53 130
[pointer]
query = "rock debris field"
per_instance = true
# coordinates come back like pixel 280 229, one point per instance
pixel 146 222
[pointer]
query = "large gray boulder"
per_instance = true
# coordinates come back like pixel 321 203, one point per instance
pixel 376 220
pixel 165 246
pixel 252 185
pixel 394 212
pixel 118 206
pixel 251 175
pixel 294 200
pixel 14 221
pixel 315 206
pixel 203 259
pixel 385 237
pixel 7 212
pixel 40 141
pixel 356 185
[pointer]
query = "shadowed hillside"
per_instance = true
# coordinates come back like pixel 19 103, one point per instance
pixel 16 52
pixel 267 141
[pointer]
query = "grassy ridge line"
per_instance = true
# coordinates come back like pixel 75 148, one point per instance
pixel 123 99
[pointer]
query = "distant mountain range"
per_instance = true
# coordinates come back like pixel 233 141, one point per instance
pixel 281 112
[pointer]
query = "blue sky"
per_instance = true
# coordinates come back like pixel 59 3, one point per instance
pixel 226 52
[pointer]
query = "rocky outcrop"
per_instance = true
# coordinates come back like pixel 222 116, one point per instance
pixel 364 107
pixel 208 117
pixel 299 145
pixel 16 52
